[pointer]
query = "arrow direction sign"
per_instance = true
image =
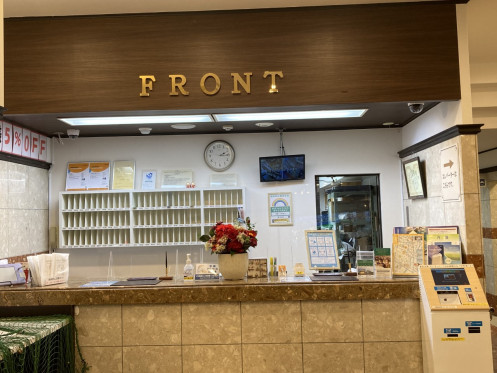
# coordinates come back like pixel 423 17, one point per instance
pixel 450 177
pixel 449 164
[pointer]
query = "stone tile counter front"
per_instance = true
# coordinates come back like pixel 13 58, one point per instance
pixel 242 326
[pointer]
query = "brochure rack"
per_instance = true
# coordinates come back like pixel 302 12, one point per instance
pixel 144 218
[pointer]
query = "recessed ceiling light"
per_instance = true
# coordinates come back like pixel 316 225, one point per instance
pixel 183 126
pixel 155 119
pixel 388 123
pixel 264 124
pixel 317 114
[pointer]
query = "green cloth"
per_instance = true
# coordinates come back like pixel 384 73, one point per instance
pixel 38 344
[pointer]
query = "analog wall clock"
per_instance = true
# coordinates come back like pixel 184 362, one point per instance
pixel 219 155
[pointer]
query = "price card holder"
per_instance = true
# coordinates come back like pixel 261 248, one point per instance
pixel 322 250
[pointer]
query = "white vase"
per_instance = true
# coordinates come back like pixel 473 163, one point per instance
pixel 233 267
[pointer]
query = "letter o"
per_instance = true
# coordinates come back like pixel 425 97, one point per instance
pixel 202 84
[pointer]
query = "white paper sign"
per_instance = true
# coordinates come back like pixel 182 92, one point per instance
pixel 35 145
pixel 7 138
pixel 26 143
pixel 42 155
pixel 17 140
pixel 451 181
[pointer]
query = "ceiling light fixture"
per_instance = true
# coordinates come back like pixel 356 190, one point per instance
pixel 264 124
pixel 289 115
pixel 156 119
pixel 183 126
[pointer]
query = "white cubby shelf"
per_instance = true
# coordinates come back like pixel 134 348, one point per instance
pixel 165 217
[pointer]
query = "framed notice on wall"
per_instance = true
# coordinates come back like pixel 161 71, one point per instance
pixel 87 176
pixel 322 250
pixel 280 208
pixel 99 178
pixel 175 178
pixel 123 175
pixel 77 176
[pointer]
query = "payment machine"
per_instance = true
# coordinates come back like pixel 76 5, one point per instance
pixel 455 320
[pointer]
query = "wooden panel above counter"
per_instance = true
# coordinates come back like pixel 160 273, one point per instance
pixel 327 55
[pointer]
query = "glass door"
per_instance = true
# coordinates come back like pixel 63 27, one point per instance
pixel 350 206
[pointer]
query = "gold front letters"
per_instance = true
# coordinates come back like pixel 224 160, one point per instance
pixel 237 79
pixel 216 79
pixel 147 81
pixel 273 75
pixel 179 81
pixel 175 85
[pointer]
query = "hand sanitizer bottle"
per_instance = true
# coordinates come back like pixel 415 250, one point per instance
pixel 188 270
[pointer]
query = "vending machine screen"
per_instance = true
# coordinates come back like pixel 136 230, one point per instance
pixel 450 276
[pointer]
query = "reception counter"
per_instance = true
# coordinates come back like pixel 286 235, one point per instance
pixel 256 325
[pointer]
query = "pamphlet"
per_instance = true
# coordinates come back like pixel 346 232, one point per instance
pixel 444 249
pixel 365 263
pixel 407 254
pixel 383 262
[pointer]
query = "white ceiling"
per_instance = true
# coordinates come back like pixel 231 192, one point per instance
pixel 39 8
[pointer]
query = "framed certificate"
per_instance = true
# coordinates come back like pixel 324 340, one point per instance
pixel 280 208
pixel 123 175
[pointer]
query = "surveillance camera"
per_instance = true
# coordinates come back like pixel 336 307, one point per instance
pixel 416 107
pixel 72 133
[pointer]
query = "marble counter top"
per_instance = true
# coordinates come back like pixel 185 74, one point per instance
pixel 249 290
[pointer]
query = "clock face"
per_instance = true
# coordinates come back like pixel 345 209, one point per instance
pixel 219 155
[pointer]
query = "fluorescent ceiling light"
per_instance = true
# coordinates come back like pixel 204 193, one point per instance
pixel 156 119
pixel 318 114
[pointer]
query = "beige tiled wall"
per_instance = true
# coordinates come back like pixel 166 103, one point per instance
pixel 23 210
pixel 351 336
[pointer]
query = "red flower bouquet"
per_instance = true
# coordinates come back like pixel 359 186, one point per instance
pixel 230 238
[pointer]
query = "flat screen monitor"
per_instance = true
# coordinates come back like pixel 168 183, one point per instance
pixel 282 168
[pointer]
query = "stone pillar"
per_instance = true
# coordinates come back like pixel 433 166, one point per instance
pixel 489 229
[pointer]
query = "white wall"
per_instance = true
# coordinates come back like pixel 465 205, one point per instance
pixel 328 152
pixel 441 117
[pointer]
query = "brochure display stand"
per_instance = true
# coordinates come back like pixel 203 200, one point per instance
pixel 455 320
pixel 144 218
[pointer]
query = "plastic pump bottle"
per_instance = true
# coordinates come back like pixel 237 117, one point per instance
pixel 188 270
